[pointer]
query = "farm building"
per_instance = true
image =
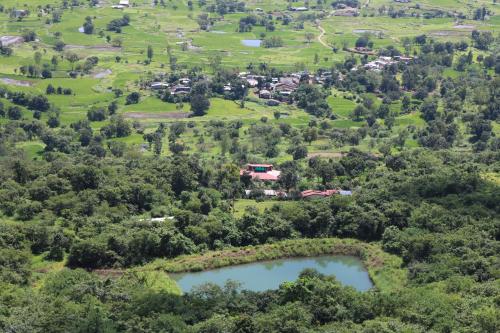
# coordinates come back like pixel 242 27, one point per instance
pixel 266 193
pixel 180 90
pixel 299 9
pixel 252 82
pixel 261 172
pixel 159 85
pixel 10 40
pixel 265 94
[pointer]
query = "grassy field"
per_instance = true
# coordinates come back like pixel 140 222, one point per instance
pixel 241 204
pixel 166 28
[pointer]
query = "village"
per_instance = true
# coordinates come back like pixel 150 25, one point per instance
pixel 276 90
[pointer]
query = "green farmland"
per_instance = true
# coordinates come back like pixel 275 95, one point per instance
pixel 157 157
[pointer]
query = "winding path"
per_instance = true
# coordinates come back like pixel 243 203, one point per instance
pixel 320 37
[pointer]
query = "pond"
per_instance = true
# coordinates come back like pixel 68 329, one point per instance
pixel 362 31
pixel 251 42
pixel 265 275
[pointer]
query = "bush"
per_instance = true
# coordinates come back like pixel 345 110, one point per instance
pixel 89 254
pixel 272 42
pixel 133 98
pixel 14 113
pixel 96 114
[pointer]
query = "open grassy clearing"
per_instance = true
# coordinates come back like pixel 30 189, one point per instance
pixel 241 205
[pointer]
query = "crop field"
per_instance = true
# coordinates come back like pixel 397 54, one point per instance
pixel 172 30
pixel 140 139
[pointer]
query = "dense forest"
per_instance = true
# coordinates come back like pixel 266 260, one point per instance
pixel 126 131
pixel 434 209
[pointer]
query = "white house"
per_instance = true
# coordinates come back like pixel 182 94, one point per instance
pixel 159 85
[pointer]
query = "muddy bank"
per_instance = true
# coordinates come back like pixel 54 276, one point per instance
pixel 464 26
pixel 18 83
pixel 102 74
pixel 159 115
pixel 93 47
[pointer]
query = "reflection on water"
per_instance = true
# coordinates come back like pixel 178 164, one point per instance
pixel 260 276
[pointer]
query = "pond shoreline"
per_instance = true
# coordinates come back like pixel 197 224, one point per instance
pixel 384 269
pixel 270 274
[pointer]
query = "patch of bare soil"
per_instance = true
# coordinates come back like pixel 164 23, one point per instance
pixel 239 253
pixel 376 262
pixel 335 154
pixel 11 40
pixel 102 74
pixel 109 272
pixel 159 115
pixel 13 82
pixel 93 47
pixel 327 154
pixel 464 26
pixel 445 33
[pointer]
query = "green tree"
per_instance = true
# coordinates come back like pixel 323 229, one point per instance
pixel 199 104
pixel 150 52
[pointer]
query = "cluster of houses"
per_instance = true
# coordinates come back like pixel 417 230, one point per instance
pixel 307 194
pixel 344 10
pixel 182 88
pixel 266 172
pixel 276 91
pixel 280 89
pixel 381 62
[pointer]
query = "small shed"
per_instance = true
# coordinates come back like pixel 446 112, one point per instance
pixel 273 102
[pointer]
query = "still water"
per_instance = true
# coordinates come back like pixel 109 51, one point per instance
pixel 251 42
pixel 264 275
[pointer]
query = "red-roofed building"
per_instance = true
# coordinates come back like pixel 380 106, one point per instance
pixel 317 194
pixel 263 172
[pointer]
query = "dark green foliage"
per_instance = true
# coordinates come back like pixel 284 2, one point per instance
pixel 88 26
pixel 14 113
pixel 117 24
pixel 90 200
pixel 312 100
pixel 199 104
pixel 96 114
pixel 133 98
